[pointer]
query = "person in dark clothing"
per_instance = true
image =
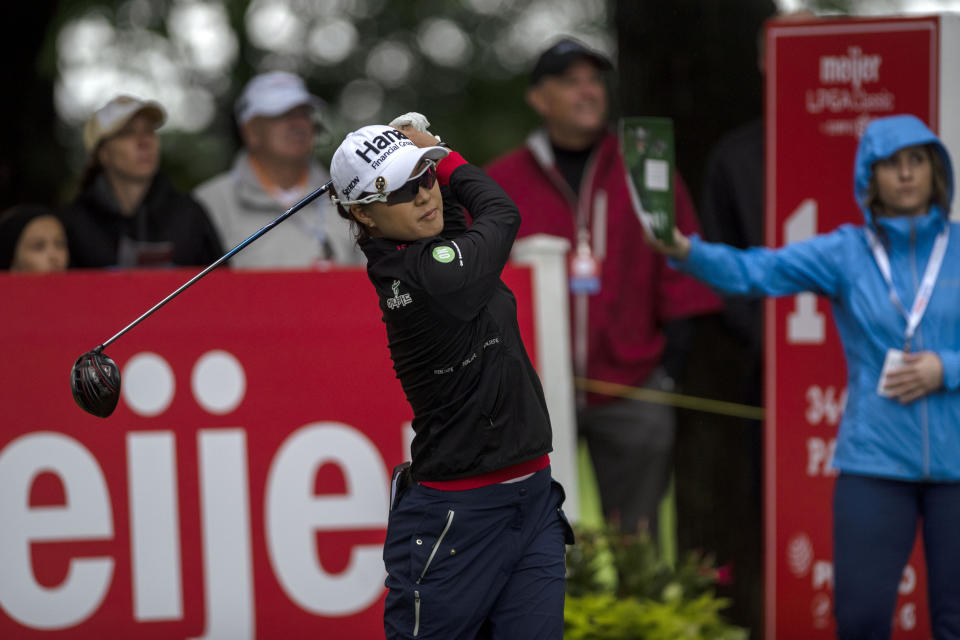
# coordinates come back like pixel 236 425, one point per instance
pixel 32 240
pixel 730 523
pixel 127 214
pixel 732 213
pixel 475 543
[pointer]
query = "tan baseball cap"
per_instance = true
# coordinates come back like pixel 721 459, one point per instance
pixel 112 117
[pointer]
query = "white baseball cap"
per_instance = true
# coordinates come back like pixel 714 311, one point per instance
pixel 114 115
pixel 375 159
pixel 271 94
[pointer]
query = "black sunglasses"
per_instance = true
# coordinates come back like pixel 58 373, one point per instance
pixel 409 190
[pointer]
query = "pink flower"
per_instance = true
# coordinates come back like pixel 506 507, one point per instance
pixel 725 574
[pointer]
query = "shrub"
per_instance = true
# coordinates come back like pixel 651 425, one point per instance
pixel 618 588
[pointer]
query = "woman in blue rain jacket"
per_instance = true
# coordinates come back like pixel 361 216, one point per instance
pixel 894 287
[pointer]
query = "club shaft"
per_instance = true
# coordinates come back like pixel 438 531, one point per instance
pixel 267 227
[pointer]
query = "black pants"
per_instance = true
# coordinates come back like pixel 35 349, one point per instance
pixel 631 448
pixel 874 527
pixel 480 563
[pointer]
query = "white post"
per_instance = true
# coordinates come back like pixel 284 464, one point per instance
pixel 547 255
pixel 949 92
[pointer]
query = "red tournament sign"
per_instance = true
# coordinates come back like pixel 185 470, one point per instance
pixel 240 488
pixel 826 80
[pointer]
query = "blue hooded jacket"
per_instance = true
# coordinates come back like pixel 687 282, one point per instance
pixel 878 436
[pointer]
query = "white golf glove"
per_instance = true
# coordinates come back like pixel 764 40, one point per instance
pixel 416 120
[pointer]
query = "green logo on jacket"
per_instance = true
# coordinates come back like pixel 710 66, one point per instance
pixel 443 254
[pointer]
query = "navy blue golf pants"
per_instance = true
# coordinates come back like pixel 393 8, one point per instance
pixel 480 563
pixel 874 527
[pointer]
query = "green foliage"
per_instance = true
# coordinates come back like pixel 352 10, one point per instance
pixel 589 565
pixel 602 616
pixel 618 588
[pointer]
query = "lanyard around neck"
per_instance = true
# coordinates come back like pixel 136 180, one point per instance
pixel 926 284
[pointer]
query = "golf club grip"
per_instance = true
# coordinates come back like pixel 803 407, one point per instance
pixel 267 227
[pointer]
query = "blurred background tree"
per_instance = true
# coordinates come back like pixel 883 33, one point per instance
pixel 462 62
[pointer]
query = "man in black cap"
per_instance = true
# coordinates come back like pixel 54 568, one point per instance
pixel 569 180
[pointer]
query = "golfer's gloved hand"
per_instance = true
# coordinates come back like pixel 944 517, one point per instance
pixel 417 122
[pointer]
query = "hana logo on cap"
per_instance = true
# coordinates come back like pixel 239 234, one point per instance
pixel 371 159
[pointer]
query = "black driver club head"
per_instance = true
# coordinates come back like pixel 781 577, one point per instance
pixel 95 383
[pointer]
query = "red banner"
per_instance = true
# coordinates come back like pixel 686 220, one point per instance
pixel 826 80
pixel 240 488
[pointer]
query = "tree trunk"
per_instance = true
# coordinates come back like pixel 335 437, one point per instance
pixel 695 61
pixel 32 163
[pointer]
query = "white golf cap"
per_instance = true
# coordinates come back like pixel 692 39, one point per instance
pixel 271 94
pixel 376 159
pixel 113 116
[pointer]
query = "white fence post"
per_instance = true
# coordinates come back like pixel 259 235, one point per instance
pixel 547 255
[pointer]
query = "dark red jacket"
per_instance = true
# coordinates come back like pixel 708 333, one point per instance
pixel 622 336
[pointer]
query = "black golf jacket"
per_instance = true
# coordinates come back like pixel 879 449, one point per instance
pixel 453 335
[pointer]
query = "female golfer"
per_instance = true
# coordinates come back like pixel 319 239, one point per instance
pixel 894 285
pixel 475 544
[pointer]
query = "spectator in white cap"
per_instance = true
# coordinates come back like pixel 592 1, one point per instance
pixel 275 169
pixel 127 213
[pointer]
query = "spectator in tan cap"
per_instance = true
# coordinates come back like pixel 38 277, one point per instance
pixel 127 214
pixel 275 169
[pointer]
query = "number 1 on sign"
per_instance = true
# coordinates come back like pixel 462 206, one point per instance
pixel 805 325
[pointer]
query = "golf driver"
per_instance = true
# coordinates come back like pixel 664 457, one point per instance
pixel 95 377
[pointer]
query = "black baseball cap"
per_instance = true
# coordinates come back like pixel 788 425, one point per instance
pixel 555 60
